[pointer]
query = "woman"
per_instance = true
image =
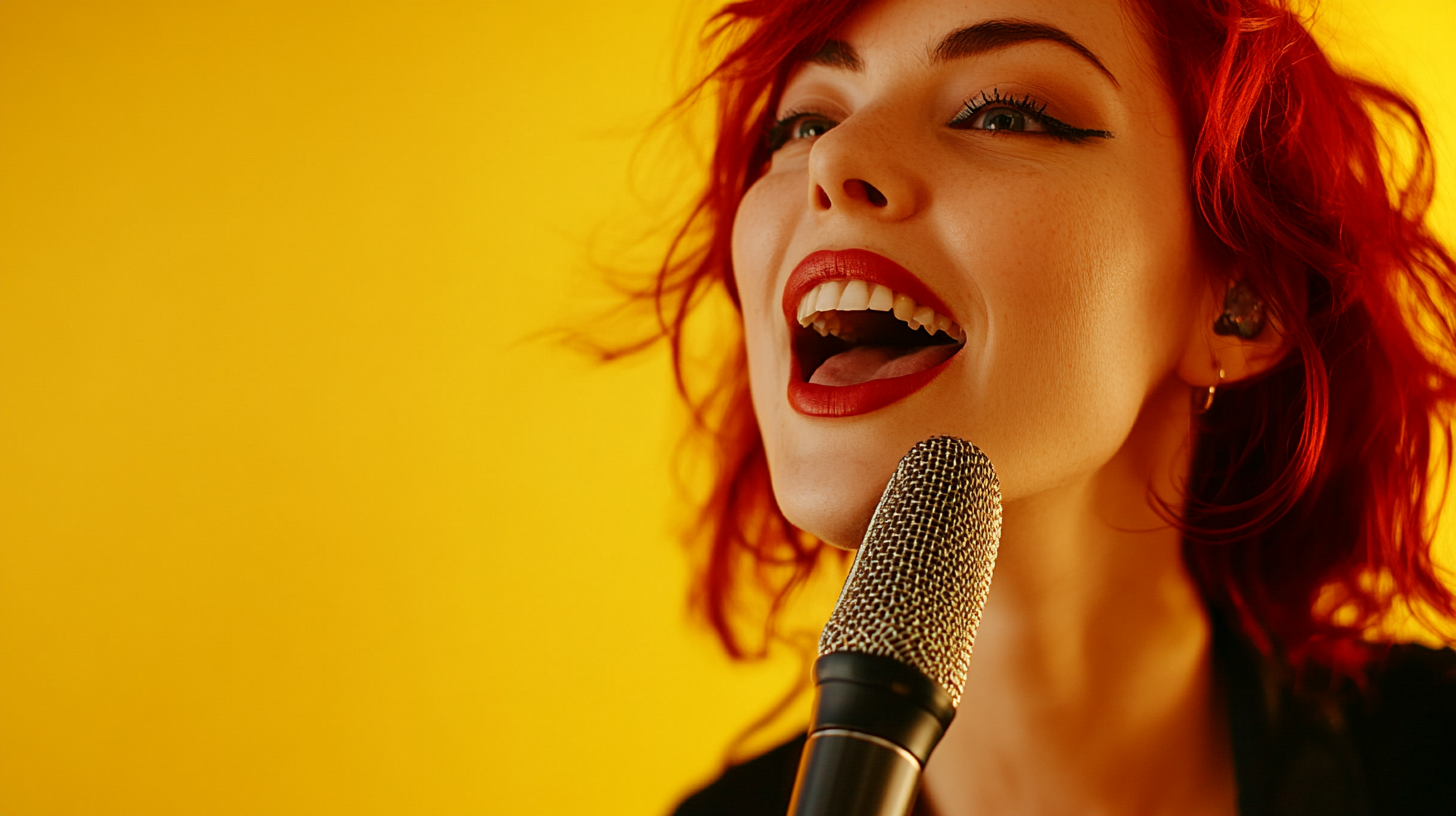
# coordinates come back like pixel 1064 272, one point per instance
pixel 1145 256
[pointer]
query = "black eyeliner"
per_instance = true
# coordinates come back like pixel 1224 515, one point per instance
pixel 777 134
pixel 1070 132
pixel 1027 106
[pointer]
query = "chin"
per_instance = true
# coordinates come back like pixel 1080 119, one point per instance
pixel 828 474
pixel 825 496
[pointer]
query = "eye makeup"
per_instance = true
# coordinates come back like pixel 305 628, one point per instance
pixel 793 125
pixel 990 111
pixel 979 113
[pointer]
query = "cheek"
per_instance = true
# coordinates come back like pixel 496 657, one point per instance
pixel 762 230
pixel 1082 282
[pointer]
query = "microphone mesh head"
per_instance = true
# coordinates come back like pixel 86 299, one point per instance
pixel 919 581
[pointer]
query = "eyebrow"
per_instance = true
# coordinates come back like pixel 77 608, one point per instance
pixel 838 54
pixel 980 38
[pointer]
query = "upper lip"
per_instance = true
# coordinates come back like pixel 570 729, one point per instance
pixel 854 264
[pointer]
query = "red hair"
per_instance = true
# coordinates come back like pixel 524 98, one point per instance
pixel 1306 514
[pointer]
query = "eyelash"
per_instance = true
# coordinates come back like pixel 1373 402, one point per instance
pixel 1030 107
pixel 778 133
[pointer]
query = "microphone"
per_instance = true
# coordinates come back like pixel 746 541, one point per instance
pixel 893 656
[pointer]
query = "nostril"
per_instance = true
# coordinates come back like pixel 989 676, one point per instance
pixel 824 203
pixel 855 188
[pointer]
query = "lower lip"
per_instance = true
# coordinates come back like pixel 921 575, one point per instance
pixel 815 400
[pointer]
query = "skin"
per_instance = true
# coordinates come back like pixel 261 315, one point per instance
pixel 1088 302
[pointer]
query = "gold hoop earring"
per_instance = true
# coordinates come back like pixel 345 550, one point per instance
pixel 1212 389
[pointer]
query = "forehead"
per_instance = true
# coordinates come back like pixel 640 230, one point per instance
pixel 909 32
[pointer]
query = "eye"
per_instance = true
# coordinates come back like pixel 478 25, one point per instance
pixel 796 126
pixel 995 113
pixel 999 118
pixel 809 126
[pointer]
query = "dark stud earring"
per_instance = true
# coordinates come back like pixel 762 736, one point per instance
pixel 1243 313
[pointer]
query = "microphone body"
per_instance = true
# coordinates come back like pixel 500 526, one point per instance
pixel 894 654
pixel 848 773
pixel 875 722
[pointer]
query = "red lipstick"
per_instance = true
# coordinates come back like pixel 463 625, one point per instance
pixel 812 399
pixel 854 264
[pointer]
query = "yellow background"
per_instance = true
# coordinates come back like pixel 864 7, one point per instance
pixel 294 515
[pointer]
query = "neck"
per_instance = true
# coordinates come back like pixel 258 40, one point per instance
pixel 1091 685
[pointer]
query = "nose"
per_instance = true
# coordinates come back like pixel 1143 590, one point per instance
pixel 861 168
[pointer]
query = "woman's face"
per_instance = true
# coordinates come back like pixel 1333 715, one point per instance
pixel 1016 168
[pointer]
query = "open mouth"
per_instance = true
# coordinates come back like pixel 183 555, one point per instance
pixel 864 332
pixel 853 331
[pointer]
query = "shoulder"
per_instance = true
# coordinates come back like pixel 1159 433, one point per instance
pixel 762 785
pixel 1404 729
pixel 1411 700
pixel 1416 679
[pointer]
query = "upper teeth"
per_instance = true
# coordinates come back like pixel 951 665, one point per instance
pixel 820 305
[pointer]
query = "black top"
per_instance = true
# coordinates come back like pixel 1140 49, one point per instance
pixel 1389 751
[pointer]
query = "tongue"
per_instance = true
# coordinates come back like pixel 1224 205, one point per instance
pixel 865 363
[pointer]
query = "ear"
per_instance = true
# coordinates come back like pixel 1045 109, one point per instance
pixel 1208 351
